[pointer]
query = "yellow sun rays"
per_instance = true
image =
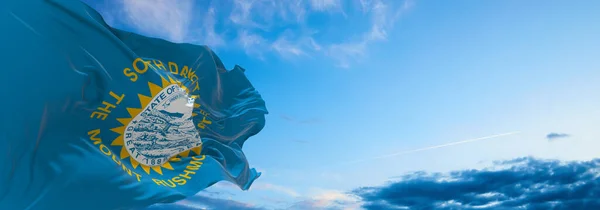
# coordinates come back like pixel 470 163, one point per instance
pixel 133 112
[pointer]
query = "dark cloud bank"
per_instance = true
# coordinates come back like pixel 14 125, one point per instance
pixel 524 183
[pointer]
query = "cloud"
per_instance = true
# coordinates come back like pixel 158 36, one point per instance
pixel 554 136
pixel 260 28
pixel 218 203
pixel 328 199
pixel 383 15
pixel 251 43
pixel 521 183
pixel 210 36
pixel 212 193
pixel 289 45
pixel 324 5
pixel 430 148
pixel 199 202
pixel 215 198
pixel 346 53
pixel 176 21
pixel 165 19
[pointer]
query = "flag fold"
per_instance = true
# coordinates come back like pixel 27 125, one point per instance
pixel 95 117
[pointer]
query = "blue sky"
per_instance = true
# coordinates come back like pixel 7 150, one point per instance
pixel 349 81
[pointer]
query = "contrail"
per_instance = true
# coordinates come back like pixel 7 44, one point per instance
pixel 432 147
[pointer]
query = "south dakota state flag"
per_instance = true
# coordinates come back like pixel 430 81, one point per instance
pixel 97 118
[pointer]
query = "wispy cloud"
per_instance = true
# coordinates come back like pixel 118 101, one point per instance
pixel 328 199
pixel 252 44
pixel 433 147
pixel 213 193
pixel 219 203
pixel 346 53
pixel 242 14
pixel 289 45
pixel 260 186
pixel 555 136
pixel 383 16
pixel 176 21
pixel 325 5
pixel 207 32
pixel 202 202
pixel 165 19
pixel 261 28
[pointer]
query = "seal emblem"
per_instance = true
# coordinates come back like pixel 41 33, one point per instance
pixel 163 129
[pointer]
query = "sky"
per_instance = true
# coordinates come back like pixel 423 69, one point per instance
pixel 393 104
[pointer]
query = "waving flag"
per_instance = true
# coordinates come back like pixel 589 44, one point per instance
pixel 98 118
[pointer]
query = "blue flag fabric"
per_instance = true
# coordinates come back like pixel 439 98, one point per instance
pixel 98 118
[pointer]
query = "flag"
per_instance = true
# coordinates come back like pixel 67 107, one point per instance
pixel 98 118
